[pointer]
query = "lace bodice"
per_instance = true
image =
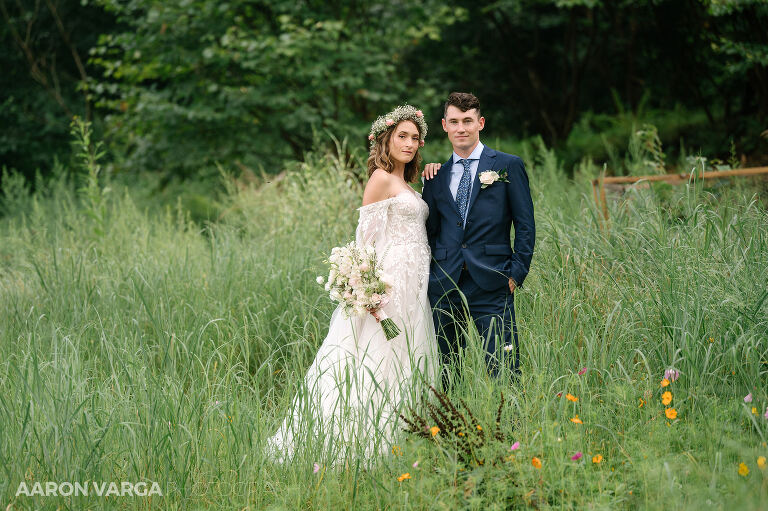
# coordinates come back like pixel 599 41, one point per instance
pixel 395 221
pixel 397 228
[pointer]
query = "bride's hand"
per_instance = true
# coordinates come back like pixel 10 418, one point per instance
pixel 430 170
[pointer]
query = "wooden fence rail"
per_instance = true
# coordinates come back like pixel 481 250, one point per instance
pixel 598 184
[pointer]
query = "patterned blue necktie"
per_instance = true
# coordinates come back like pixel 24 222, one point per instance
pixel 462 194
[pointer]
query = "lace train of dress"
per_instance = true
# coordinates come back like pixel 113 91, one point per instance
pixel 354 390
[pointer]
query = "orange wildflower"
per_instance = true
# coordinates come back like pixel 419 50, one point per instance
pixel 536 462
pixel 434 430
pixel 666 398
pixel 576 420
pixel 403 477
pixel 664 382
pixel 571 397
pixel 479 428
pixel 671 413
pixel 597 458
pixel 641 402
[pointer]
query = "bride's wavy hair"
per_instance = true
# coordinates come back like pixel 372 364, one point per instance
pixel 379 157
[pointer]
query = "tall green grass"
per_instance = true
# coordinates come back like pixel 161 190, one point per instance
pixel 137 344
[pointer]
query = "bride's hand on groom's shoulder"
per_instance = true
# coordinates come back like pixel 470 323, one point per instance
pixel 430 170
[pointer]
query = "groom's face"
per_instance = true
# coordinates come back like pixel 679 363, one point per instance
pixel 463 128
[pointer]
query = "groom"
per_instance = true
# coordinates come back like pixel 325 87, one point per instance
pixel 474 200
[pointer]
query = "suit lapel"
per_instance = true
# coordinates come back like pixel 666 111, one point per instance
pixel 445 181
pixel 485 163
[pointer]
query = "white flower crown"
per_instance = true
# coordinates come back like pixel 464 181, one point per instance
pixel 393 118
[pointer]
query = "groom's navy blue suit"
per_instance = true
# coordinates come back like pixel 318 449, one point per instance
pixel 476 258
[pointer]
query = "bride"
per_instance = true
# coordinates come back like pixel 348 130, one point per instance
pixel 349 402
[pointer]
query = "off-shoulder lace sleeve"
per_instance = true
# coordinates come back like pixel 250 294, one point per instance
pixel 372 223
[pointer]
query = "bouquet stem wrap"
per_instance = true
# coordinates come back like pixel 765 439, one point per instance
pixel 391 330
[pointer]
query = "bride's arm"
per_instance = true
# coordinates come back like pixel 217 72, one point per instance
pixel 433 220
pixel 373 213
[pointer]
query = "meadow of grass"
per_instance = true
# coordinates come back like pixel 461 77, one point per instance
pixel 138 345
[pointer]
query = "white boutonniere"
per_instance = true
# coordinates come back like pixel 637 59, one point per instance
pixel 488 177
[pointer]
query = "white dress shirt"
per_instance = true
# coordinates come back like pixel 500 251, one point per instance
pixel 458 169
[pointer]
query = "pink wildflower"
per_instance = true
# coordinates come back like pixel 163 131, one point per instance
pixel 390 122
pixel 671 374
pixel 316 468
pixel 766 413
pixel 515 446
pixel 748 398
pixel 419 113
pixel 370 137
pixel 416 464
pixel 582 371
pixel 577 456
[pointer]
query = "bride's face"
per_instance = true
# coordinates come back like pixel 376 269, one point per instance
pixel 404 142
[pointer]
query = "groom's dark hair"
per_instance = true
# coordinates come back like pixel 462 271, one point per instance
pixel 463 101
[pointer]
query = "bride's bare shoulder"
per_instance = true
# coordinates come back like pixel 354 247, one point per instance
pixel 378 187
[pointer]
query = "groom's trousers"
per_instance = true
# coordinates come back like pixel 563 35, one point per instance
pixel 493 314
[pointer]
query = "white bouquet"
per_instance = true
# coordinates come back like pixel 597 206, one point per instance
pixel 358 283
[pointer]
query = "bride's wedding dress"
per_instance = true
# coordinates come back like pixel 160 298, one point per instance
pixel 352 394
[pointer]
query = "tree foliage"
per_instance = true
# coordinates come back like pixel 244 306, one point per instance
pixel 194 81
pixel 179 85
pixel 44 72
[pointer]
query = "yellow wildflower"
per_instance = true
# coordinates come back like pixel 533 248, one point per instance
pixel 479 428
pixel 743 470
pixel 761 461
pixel 666 398
pixel 597 458
pixel 671 413
pixel 754 410
pixel 397 450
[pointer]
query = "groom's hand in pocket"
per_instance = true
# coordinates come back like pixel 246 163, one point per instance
pixel 512 285
pixel 430 170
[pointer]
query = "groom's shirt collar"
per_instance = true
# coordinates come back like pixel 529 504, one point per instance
pixel 475 155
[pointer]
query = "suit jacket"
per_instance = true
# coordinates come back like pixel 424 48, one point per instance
pixel 484 243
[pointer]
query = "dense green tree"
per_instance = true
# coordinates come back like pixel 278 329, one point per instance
pixel 540 64
pixel 193 81
pixel 739 35
pixel 44 70
pixel 176 86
